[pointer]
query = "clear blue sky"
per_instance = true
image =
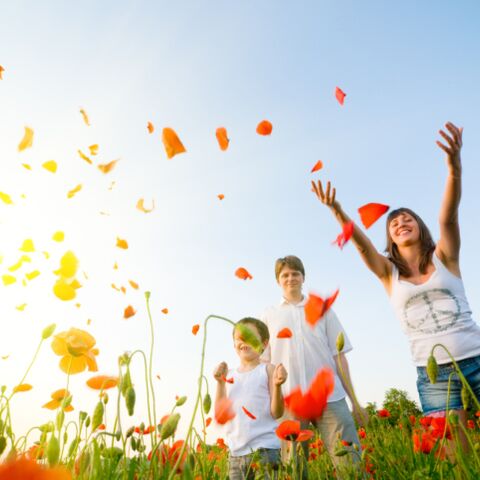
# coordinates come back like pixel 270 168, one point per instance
pixel 406 67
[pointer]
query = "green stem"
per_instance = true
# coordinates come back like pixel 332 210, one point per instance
pixel 150 369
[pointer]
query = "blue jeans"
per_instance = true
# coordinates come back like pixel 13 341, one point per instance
pixel 435 397
pixel 240 468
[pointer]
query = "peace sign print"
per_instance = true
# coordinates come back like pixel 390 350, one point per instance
pixel 431 311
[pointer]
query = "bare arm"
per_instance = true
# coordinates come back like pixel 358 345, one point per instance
pixel 448 247
pixel 276 377
pixel 376 262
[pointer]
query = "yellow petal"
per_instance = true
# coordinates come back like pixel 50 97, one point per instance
pixel 21 307
pixel 4 197
pixel 26 166
pixel 141 206
pixel 75 284
pixel 84 157
pixel 60 394
pixel 51 166
pixel 72 192
pixel 58 236
pixel 27 140
pixel 27 246
pixel 32 275
pixel 8 279
pixel 108 167
pixel 115 266
pixel 68 265
pixel 93 149
pixel 23 387
pixel 72 365
pixel 122 243
pixel 85 117
pixel 15 267
pixel 59 344
pixel 64 291
pixel 46 254
pixel 52 404
pixel 133 284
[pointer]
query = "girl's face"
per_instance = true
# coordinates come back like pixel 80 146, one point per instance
pixel 404 230
pixel 244 350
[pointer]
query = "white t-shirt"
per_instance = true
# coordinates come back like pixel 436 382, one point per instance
pixel 308 350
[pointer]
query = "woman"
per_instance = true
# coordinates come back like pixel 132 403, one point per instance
pixel 424 284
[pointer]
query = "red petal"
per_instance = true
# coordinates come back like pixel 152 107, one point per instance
pixel 264 128
pixel 318 166
pixel 243 273
pixel 249 414
pixel 344 237
pixel 316 307
pixel 371 212
pixel 284 333
pixel 228 380
pixel 340 95
pixel 222 138
pixel 195 329
pixel 223 411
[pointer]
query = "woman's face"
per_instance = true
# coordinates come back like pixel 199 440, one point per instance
pixel 404 230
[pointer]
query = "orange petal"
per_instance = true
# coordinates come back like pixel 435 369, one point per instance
pixel 264 128
pixel 165 310
pixel 173 145
pixel 318 166
pixel 129 312
pixel 243 273
pixel 122 243
pixel 75 190
pixel 316 307
pixel 284 333
pixel 27 140
pixel 1 72
pixel 84 157
pixel 371 212
pixel 52 404
pixel 108 167
pixel 223 410
pixel 51 166
pixel 344 237
pixel 102 382
pixel 141 206
pixel 123 289
pixel 23 387
pixel 221 196
pixel 222 138
pixel 85 117
pixel 93 149
pixel 340 95
pixel 150 127
pixel 249 414
pixel 133 284
pixel 195 329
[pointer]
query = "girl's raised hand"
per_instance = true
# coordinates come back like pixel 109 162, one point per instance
pixel 220 372
pixel 453 139
pixel 327 196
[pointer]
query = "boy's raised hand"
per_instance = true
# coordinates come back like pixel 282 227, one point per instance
pixel 279 375
pixel 220 372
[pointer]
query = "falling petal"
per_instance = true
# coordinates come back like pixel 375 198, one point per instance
pixel 58 236
pixel 228 380
pixel 23 387
pixel 223 410
pixel 51 166
pixel 72 192
pixel 195 329
pixel 6 198
pixel 318 166
pixel 133 284
pixel 150 127
pixel 93 149
pixel 32 275
pixel 264 128
pixel 316 307
pixel 340 95
pixel 141 206
pixel 173 145
pixel 27 246
pixel 123 290
pixel 371 212
pixel 164 310
pixel 16 266
pixel 115 287
pixel 249 414
pixel 26 166
pixel 84 157
pixel 21 307
pixel 122 243
pixel 108 167
pixel 284 333
pixel 27 140
pixel 115 266
pixel 46 255
pixel 344 237
pixel 222 138
pixel 5 357
pixel 129 312
pixel 63 290
pixel 221 196
pixel 85 117
pixel 243 274
pixel 1 72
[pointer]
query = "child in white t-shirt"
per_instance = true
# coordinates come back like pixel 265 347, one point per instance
pixel 254 388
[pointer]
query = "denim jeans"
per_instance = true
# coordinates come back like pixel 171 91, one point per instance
pixel 266 460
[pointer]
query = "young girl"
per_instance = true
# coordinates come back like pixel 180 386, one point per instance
pixel 255 390
pixel 425 287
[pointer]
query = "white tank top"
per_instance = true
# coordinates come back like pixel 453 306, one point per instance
pixel 250 390
pixel 436 311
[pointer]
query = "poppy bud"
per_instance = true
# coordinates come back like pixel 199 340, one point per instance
pixel 125 382
pixel 60 418
pixel 82 416
pixel 141 448
pixel 432 369
pixel 65 437
pixel 340 452
pixel 465 394
pixel 105 397
pixel 340 342
pixel 88 421
pixel 130 400
pixel 141 427
pixel 130 432
pixel 67 401
pixel 118 435
pixel 73 446
pixel 453 417
pixel 3 444
pixel 48 331
pixel 133 443
pixel 147 296
pixel 53 450
pixel 97 416
pixel 181 401
pixel 169 427
pixel 207 403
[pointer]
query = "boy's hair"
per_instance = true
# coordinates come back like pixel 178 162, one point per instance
pixel 290 261
pixel 261 327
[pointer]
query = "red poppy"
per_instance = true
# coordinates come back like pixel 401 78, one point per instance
pixel 316 307
pixel 440 428
pixel 290 430
pixel 340 95
pixel 264 128
pixel 284 333
pixel 223 411
pixel 423 442
pixel 243 274
pixel 249 414
pixel 384 413
pixel 470 424
pixel 362 433
pixel 310 405
pixel 371 212
pixel 413 419
pixel 344 237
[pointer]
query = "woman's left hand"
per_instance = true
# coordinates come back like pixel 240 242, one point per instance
pixel 453 140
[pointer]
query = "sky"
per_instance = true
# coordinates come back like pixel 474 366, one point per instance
pixel 406 68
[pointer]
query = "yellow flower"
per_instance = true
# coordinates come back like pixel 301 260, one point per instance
pixel 76 349
pixel 57 399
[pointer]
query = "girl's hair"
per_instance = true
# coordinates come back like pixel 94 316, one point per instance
pixel 427 245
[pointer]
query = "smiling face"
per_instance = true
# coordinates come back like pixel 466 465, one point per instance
pixel 404 229
pixel 291 282
pixel 244 351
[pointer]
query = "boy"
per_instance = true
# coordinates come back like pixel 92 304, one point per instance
pixel 255 390
pixel 308 350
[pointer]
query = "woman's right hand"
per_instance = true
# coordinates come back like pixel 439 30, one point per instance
pixel 327 196
pixel 220 372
